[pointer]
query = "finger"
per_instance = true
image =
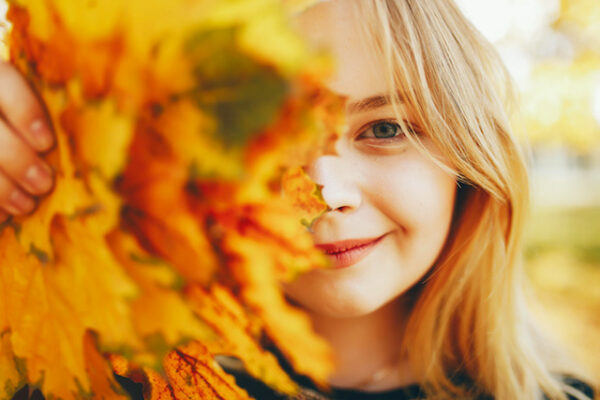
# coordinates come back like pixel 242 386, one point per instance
pixel 12 199
pixel 23 110
pixel 21 164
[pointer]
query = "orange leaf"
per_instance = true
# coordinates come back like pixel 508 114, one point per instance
pixel 179 241
pixel 146 98
pixel 9 372
pixel 102 382
pixel 304 194
pixel 154 386
pixel 226 316
pixel 51 305
pixel 288 327
pixel 193 374
pixel 160 310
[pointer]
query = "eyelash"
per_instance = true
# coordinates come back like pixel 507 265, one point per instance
pixel 398 136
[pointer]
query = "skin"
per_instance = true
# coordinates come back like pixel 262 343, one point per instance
pixel 375 186
pixel 25 134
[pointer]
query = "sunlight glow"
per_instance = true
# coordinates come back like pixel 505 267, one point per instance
pixel 596 103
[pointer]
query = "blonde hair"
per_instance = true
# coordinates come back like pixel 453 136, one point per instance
pixel 468 333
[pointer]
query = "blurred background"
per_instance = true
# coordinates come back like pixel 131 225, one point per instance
pixel 552 49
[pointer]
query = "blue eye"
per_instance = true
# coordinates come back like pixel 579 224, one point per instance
pixel 382 130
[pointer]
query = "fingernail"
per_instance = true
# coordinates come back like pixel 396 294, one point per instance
pixel 21 202
pixel 40 177
pixel 41 134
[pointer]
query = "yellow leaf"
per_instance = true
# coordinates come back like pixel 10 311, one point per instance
pixel 102 381
pixel 270 38
pixel 155 386
pixel 13 380
pixel 288 327
pixel 43 330
pixel 160 309
pixel 192 370
pixel 52 304
pixel 304 195
pixel 69 194
pixel 81 18
pixel 223 312
pixel 101 136
pixel 172 122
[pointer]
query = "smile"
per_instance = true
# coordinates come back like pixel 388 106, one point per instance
pixel 348 252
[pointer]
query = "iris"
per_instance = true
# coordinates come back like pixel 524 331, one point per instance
pixel 384 130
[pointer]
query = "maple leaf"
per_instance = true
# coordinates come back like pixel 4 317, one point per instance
pixel 159 314
pixel 150 384
pixel 194 374
pixel 290 329
pixel 307 127
pixel 50 307
pixel 273 226
pixel 191 373
pixel 35 37
pixel 154 181
pixel 172 122
pixel 243 94
pixel 180 241
pixel 236 337
pixel 196 132
pixel 9 371
pixel 69 195
pixel 101 136
pixel 304 194
pixel 102 382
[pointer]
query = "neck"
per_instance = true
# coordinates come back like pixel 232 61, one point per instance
pixel 367 348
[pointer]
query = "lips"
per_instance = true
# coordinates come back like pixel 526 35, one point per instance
pixel 348 252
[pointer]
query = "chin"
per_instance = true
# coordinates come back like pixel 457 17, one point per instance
pixel 334 301
pixel 348 310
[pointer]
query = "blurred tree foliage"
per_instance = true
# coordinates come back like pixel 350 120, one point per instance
pixel 558 104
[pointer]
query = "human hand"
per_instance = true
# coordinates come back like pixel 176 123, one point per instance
pixel 24 133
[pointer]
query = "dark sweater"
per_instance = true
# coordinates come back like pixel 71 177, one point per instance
pixel 308 391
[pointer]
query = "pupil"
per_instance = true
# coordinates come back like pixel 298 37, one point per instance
pixel 384 130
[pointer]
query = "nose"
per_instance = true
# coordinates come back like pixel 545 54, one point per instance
pixel 338 180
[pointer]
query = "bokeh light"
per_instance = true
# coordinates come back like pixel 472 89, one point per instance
pixel 552 50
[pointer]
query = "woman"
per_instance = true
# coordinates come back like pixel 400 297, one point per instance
pixel 427 190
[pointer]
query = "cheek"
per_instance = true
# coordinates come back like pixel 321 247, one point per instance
pixel 406 195
pixel 412 191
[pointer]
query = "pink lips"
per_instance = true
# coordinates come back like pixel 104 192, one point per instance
pixel 348 252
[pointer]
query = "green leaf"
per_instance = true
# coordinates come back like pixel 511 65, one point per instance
pixel 243 94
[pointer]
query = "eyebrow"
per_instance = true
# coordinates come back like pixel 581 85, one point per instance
pixel 369 103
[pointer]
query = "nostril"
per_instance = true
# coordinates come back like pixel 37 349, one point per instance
pixel 341 195
pixel 343 209
pixel 338 181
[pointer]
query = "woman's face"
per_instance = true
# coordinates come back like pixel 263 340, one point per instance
pixel 391 205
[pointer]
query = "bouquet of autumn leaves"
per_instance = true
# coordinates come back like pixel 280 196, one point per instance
pixel 180 129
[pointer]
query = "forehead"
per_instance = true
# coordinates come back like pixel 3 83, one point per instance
pixel 335 26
